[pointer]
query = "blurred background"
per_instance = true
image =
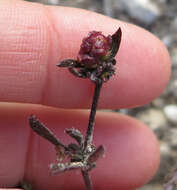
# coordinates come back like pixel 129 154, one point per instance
pixel 159 17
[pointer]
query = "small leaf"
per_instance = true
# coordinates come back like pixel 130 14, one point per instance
pixel 98 153
pixel 44 132
pixel 116 39
pixel 68 63
pixel 61 167
pixel 76 134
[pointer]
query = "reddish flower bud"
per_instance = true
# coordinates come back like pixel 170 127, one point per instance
pixel 94 49
pixel 95 59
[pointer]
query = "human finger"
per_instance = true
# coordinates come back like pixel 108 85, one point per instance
pixel 35 37
pixel 132 151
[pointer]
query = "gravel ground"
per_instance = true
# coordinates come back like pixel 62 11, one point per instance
pixel 159 17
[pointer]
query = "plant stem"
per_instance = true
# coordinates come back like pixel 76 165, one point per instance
pixel 87 180
pixel 89 134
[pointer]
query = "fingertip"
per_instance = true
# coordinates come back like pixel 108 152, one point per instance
pixel 44 35
pixel 132 153
pixel 143 63
pixel 143 69
pixel 131 158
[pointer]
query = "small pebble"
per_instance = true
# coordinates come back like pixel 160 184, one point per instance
pixel 145 11
pixel 171 137
pixel 152 117
pixel 171 113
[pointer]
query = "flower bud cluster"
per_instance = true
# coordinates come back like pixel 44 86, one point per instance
pixel 94 49
pixel 95 59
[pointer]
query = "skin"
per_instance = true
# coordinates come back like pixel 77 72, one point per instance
pixel 33 39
